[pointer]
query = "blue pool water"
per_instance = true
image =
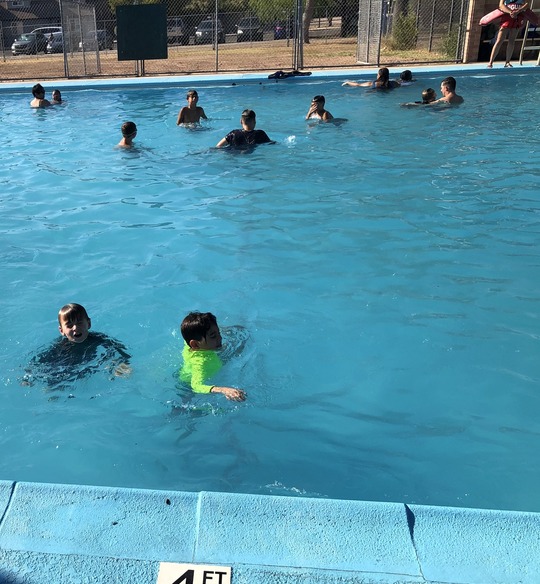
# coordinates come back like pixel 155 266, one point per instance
pixel 387 270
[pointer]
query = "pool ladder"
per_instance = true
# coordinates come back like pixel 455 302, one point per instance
pixel 535 42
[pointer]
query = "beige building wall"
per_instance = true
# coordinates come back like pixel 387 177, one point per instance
pixel 477 9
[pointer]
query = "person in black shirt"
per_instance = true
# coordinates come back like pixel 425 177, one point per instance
pixel 247 136
pixel 77 354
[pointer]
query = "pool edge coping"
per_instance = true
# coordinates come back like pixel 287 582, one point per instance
pixel 269 534
pixel 198 80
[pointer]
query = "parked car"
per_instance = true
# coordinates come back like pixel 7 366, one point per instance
pixel 55 44
pixel 47 30
pixel 177 32
pixel 249 29
pixel 103 40
pixel 29 44
pixel 205 32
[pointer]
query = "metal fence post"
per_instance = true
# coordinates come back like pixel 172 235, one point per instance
pixel 64 52
pixel 216 39
pixel 298 56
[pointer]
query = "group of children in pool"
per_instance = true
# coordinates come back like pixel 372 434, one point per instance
pixel 81 352
pixel 192 114
pixel 383 82
pixel 249 136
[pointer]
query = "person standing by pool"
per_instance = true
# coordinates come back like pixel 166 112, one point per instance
pixel 39 97
pixel 129 131
pixel 192 113
pixel 247 136
pixel 317 111
pixel 201 361
pixel 382 82
pixel 78 353
pixel 511 20
pixel 448 89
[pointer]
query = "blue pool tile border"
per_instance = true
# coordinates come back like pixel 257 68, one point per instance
pixel 72 533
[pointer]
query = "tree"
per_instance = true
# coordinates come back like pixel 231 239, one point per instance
pixel 307 18
pixel 268 11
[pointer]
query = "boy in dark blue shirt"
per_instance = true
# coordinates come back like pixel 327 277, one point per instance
pixel 78 353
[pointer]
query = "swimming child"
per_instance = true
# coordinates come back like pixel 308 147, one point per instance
pixel 192 113
pixel 201 361
pixel 428 96
pixel 383 81
pixel 406 78
pixel 317 111
pixel 247 136
pixel 129 131
pixel 79 353
pixel 39 96
pixel 56 97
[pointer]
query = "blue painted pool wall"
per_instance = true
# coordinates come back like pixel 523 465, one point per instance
pixel 62 533
pixel 199 81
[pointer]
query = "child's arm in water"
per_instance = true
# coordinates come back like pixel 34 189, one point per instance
pixel 120 366
pixel 229 392
pixel 122 370
pixel 200 366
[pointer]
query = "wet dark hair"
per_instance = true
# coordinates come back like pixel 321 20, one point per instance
pixel 38 90
pixel 319 99
pixel 196 324
pixel 248 114
pixel 128 129
pixel 406 75
pixel 450 83
pixel 71 312
pixel 192 92
pixel 428 95
pixel 383 77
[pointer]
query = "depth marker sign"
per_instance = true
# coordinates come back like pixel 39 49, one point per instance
pixel 170 573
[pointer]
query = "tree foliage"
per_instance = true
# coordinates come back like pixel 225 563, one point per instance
pixel 114 3
pixel 190 6
pixel 274 10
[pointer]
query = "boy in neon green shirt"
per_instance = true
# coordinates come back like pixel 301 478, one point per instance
pixel 201 361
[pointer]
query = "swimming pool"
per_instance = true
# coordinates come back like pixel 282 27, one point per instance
pixel 385 268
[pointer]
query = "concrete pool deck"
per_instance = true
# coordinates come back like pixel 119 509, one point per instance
pixel 78 534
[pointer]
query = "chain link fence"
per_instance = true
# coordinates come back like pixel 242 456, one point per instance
pixel 78 39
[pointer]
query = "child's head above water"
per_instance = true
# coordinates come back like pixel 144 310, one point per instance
pixel 200 331
pixel 129 129
pixel 428 95
pixel 38 91
pixel 406 76
pixel 74 323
